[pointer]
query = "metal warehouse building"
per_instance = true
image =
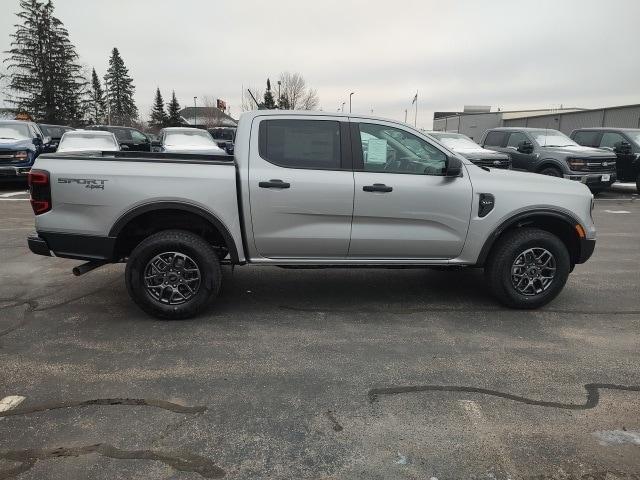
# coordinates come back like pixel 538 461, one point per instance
pixel 473 122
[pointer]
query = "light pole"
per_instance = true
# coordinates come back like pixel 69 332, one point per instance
pixel 343 106
pixel 405 115
pixel 350 95
pixel 279 97
pixel 195 113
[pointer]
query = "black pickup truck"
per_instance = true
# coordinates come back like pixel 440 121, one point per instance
pixel 624 142
pixel 550 152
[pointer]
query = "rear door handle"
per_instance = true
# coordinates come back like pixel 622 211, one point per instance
pixel 377 187
pixel 274 183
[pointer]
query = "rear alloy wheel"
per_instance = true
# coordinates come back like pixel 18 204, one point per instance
pixel 550 171
pixel 527 268
pixel 173 274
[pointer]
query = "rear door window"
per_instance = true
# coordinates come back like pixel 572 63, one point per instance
pixel 138 137
pixel 301 143
pixel 122 134
pixel 494 139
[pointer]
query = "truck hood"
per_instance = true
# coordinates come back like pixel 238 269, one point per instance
pixel 481 154
pixel 579 151
pixel 525 182
pixel 13 144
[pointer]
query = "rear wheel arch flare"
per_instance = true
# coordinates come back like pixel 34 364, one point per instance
pixel 171 211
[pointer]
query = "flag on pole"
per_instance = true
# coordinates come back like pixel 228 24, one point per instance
pixel 415 99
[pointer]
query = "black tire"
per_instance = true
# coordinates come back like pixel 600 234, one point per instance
pixel 498 268
pixel 551 171
pixel 188 246
pixel 638 183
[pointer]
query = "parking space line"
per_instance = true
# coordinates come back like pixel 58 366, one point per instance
pixel 14 199
pixel 12 401
pixel 14 194
pixel 477 418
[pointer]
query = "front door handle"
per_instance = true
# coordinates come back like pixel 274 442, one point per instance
pixel 274 183
pixel 377 187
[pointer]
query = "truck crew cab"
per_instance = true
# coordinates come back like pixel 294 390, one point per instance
pixel 308 189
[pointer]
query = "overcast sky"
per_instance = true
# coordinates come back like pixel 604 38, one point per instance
pixel 510 54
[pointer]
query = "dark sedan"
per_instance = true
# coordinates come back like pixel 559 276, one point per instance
pixel 54 132
pixel 129 138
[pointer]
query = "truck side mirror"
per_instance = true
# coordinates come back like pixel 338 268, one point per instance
pixel 525 147
pixel 454 167
pixel 623 148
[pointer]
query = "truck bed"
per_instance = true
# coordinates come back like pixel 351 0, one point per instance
pixel 91 192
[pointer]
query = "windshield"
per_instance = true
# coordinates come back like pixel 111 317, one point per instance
pixel 552 138
pixel 189 137
pixel 634 135
pixel 14 131
pixel 74 142
pixel 455 141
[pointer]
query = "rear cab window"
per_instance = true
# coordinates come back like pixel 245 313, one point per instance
pixel 313 144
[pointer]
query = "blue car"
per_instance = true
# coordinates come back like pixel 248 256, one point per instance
pixel 20 144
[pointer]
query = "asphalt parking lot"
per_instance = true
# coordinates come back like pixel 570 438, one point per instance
pixel 364 374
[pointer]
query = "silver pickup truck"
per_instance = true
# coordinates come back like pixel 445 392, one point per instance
pixel 308 189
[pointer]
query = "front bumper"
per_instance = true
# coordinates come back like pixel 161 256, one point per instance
pixel 13 172
pixel 586 249
pixel 592 179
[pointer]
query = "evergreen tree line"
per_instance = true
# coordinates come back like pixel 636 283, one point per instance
pixel 46 80
pixel 161 118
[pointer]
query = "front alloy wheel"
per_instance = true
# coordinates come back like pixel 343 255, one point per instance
pixel 527 267
pixel 533 271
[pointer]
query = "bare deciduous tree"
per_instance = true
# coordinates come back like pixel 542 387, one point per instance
pixel 295 93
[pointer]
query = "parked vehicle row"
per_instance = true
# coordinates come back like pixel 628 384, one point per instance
pixel 469 149
pixel 550 152
pixel 307 190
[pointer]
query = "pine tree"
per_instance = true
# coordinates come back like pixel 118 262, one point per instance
pixel 269 103
pixel 173 107
pixel 158 115
pixel 120 90
pixel 45 78
pixel 98 104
